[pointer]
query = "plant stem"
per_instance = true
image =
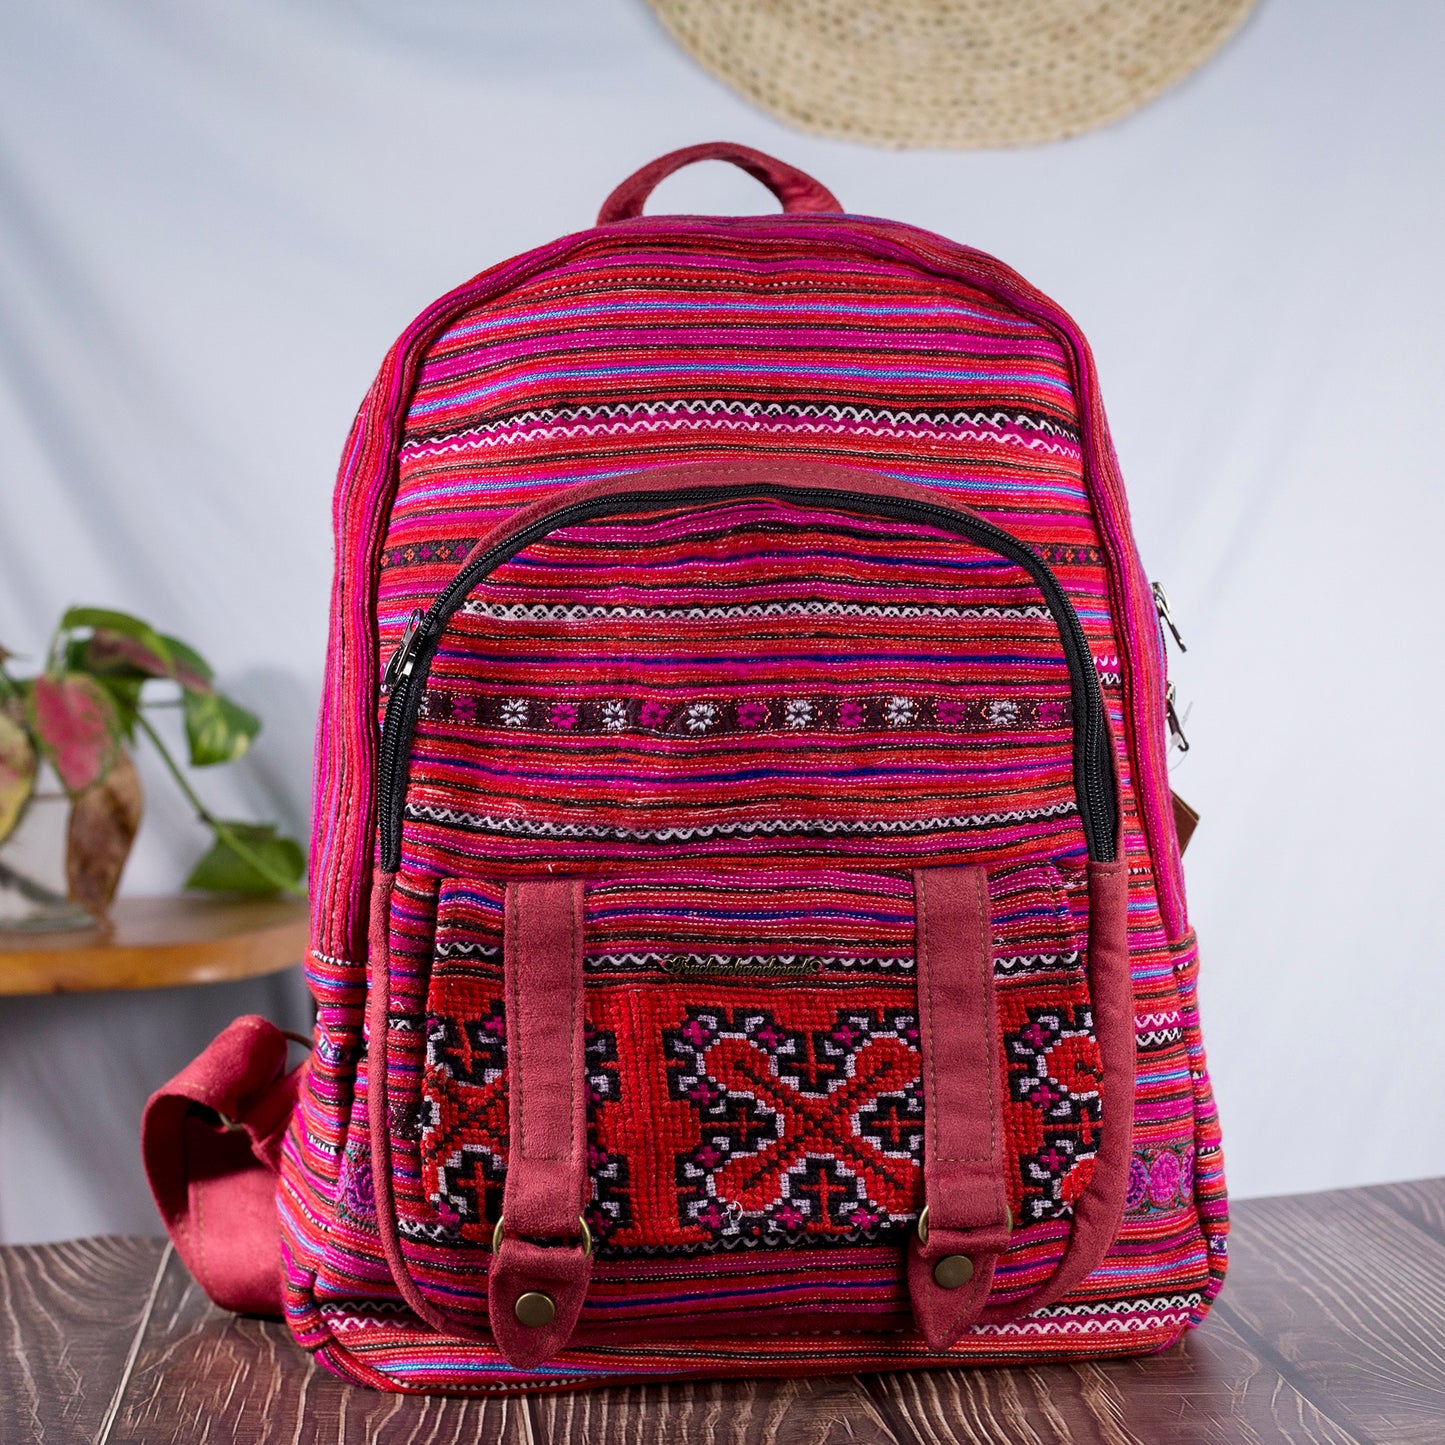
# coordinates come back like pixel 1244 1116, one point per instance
pixel 53 648
pixel 29 889
pixel 225 834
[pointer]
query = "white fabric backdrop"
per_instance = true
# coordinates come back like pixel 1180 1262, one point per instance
pixel 215 219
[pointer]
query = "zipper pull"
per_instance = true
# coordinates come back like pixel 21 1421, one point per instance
pixel 1176 728
pixel 1161 606
pixel 398 665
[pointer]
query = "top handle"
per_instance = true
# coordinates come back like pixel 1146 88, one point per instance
pixel 797 190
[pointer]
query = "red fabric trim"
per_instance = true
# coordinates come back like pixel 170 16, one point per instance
pixel 378 1005
pixel 796 189
pixel 1099 1210
pixel 525 1263
pixel 545 1191
pixel 214 1182
pixel 963 1175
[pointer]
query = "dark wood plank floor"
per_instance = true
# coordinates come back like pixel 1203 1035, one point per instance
pixel 1330 1330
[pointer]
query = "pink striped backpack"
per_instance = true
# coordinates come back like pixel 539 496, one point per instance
pixel 748 929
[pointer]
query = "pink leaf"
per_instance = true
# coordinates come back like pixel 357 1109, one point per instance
pixel 75 723
pixel 108 649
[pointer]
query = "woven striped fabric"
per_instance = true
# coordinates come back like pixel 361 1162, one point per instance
pixel 745 719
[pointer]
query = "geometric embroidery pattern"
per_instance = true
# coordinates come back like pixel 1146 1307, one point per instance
pixel 464 1120
pixel 1053 1064
pixel 800 1131
pixel 609 1208
pixel 712 715
pixel 731 1110
pixel 464 1125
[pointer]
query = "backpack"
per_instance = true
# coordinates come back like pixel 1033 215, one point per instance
pixel 748 929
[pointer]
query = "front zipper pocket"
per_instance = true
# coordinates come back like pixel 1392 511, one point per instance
pixel 752 719
pixel 754 1092
pixel 762 506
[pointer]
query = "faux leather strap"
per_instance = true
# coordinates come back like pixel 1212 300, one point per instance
pixel 211 1141
pixel 540 1250
pixel 963 1149
pixel 796 189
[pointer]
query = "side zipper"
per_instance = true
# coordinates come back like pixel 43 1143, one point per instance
pixel 409 664
pixel 1166 619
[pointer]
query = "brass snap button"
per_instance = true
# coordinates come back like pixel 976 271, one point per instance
pixel 535 1309
pixel 953 1271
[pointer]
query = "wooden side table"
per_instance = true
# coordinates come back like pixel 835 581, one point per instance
pixel 159 943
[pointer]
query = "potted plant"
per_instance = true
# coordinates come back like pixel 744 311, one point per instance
pixel 78 719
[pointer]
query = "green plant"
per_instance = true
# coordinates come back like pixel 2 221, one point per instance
pixel 104 672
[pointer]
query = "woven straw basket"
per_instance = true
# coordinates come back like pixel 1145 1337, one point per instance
pixel 954 73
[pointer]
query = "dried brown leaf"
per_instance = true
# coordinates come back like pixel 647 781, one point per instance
pixel 104 820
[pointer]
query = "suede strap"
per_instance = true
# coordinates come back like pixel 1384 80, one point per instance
pixel 211 1141
pixel 963 1169
pixel 540 1249
pixel 796 189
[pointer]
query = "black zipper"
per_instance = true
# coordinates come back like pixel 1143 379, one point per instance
pixel 407 668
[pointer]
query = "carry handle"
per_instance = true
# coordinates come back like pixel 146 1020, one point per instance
pixel 796 189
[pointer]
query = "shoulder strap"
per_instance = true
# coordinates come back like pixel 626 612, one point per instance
pixel 211 1141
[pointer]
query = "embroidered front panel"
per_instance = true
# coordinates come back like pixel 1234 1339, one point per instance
pixel 1053 1064
pixel 739 1107
pixel 463 1113
pixel 802 1119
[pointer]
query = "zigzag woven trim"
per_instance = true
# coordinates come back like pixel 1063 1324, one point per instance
pixel 886 1232
pixel 1110 670
pixel 901 963
pixel 616 417
pixel 1140 1305
pixel 466 948
pixel 370 1315
pixel 451 948
pixel 1155 1030
pixel 1157 1038
pixel 1036 962
pixel 807 428
pixel 1115 1314
pixel 761 964
pixel 529 828
pixel 334 960
pixel 1131 1324
pixel 815 607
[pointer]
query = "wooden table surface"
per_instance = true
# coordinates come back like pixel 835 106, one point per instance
pixel 159 943
pixel 1331 1329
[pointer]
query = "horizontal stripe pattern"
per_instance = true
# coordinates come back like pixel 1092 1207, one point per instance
pixel 740 339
